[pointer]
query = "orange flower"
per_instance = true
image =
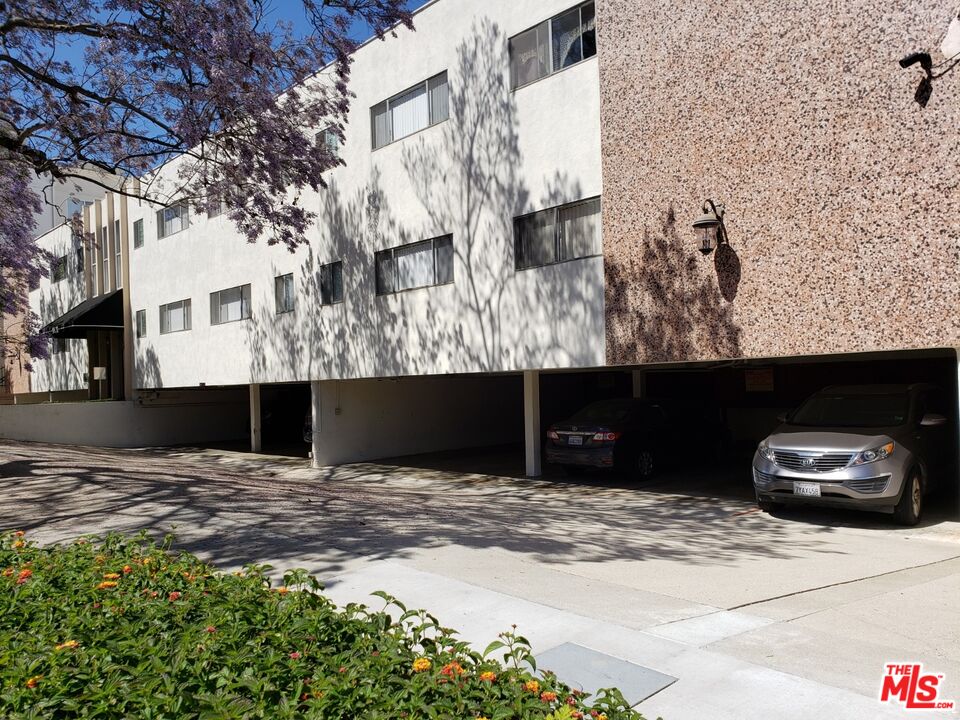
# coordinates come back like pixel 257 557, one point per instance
pixel 111 576
pixel 32 682
pixel 99 559
pixel 210 629
pixel 8 572
pixel 106 585
pixel 488 676
pixel 548 696
pixel 68 645
pixel 174 596
pixel 18 544
pixel 421 664
pixel 452 668
pixel 127 569
pixel 531 686
pixel 19 533
pixel 283 590
pixel 23 576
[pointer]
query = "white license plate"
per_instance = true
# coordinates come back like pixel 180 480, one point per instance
pixel 807 489
pixel 574 440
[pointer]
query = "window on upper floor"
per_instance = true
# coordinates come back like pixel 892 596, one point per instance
pixel 331 283
pixel 137 234
pixel 59 346
pixel 141 323
pixel 283 290
pixel 58 268
pixel 175 317
pixel 117 264
pixel 420 264
pixel 561 233
pixel 75 207
pixel 414 109
pixel 216 207
pixel 105 253
pixel 230 305
pixel 554 44
pixel 172 220
pixel 329 137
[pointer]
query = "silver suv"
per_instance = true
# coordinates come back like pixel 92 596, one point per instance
pixel 871 447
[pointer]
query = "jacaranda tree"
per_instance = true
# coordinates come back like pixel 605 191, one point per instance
pixel 96 88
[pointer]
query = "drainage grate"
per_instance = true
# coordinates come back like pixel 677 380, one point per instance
pixel 589 670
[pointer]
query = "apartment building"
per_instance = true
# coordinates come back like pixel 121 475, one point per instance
pixel 513 231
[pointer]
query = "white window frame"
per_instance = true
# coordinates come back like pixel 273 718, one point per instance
pixel 216 305
pixel 549 23
pixel 187 310
pixel 118 258
pixel 433 117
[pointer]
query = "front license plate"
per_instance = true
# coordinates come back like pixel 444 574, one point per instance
pixel 807 489
pixel 574 440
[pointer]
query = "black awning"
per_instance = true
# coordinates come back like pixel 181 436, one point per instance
pixel 104 312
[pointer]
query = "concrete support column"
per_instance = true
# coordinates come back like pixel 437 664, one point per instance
pixel 639 383
pixel 531 421
pixel 256 431
pixel 316 405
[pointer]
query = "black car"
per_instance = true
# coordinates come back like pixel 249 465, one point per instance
pixel 623 434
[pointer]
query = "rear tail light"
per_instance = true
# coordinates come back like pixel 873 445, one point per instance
pixel 606 436
pixel 552 434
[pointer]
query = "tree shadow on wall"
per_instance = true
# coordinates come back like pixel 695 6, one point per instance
pixel 466 175
pixel 677 313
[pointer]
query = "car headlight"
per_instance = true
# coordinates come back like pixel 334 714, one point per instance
pixel 869 456
pixel 766 452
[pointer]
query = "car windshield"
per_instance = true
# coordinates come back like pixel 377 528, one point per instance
pixel 853 410
pixel 605 411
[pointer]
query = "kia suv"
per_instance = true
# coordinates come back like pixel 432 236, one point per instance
pixel 870 447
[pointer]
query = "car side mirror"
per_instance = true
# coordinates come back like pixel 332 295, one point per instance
pixel 782 417
pixel 933 420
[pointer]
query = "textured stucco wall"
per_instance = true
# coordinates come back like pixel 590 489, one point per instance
pixel 842 194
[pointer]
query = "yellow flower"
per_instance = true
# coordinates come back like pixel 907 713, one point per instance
pixel 111 576
pixel 69 644
pixel 32 682
pixel 488 676
pixel 99 559
pixel 18 544
pixel 106 585
pixel 421 664
pixel 532 686
pixel 283 590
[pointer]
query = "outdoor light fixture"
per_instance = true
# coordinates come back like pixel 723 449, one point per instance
pixel 709 226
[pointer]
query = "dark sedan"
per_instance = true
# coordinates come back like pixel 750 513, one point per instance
pixel 621 434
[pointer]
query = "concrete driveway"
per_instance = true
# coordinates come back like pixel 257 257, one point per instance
pixel 757 616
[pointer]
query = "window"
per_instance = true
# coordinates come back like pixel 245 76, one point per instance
pixel 58 268
pixel 59 346
pixel 329 137
pixel 331 283
pixel 561 233
pixel 118 266
pixel 172 220
pixel 412 266
pixel 138 234
pixel 283 288
pixel 553 45
pixel 141 323
pixel 230 305
pixel 175 317
pixel 414 109
pixel 105 249
pixel 75 207
pixel 216 207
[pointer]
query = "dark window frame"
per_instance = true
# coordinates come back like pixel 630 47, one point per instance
pixel 280 308
pixel 184 220
pixel 548 23
pixel 432 119
pixel 140 323
pixel 446 238
pixel 186 308
pixel 557 236
pixel 246 311
pixel 328 283
pixel 138 233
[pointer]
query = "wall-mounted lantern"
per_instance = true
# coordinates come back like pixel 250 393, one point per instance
pixel 709 226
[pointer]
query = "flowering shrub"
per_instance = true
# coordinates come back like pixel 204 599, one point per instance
pixel 118 627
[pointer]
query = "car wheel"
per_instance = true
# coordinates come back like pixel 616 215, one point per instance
pixel 643 465
pixel 767 505
pixel 910 505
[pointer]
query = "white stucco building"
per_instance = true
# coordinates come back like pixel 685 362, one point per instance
pixel 460 238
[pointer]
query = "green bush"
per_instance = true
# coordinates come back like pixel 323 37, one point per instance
pixel 119 627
